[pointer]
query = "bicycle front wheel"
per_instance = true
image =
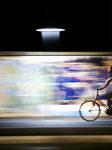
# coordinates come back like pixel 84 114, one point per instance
pixel 89 110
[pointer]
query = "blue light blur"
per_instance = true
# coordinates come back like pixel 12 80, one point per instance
pixel 43 87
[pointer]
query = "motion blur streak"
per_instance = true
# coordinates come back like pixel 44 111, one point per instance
pixel 49 85
pixel 55 139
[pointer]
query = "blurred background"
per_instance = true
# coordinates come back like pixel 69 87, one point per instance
pixel 50 85
pixel 40 95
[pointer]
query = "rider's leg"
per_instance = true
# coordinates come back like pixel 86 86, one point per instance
pixel 108 96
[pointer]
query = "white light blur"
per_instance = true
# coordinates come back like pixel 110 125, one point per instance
pixel 50 34
pixel 48 58
pixel 50 29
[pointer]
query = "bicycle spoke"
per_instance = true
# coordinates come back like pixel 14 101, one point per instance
pixel 88 111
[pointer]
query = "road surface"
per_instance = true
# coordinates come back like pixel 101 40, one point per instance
pixel 59 126
pixel 55 133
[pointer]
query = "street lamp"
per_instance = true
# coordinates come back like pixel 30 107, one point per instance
pixel 50 37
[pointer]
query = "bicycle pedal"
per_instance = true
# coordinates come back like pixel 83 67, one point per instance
pixel 109 112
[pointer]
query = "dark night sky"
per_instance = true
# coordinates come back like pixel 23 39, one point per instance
pixel 88 25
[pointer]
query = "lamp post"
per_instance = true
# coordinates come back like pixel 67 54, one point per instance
pixel 50 37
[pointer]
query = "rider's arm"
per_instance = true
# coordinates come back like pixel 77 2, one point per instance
pixel 106 83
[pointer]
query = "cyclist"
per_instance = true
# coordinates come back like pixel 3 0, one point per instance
pixel 109 93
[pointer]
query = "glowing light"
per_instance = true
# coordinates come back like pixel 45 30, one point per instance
pixel 50 37
pixel 49 29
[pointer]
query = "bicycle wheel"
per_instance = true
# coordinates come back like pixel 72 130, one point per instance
pixel 89 110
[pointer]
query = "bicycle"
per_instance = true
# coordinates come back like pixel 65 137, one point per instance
pixel 90 109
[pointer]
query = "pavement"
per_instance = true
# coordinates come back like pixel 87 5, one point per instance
pixel 60 133
pixel 61 118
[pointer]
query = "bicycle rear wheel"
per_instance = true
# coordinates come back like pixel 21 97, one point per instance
pixel 89 110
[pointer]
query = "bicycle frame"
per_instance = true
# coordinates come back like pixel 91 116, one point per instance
pixel 97 98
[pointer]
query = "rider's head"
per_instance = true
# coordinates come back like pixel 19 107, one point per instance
pixel 110 69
